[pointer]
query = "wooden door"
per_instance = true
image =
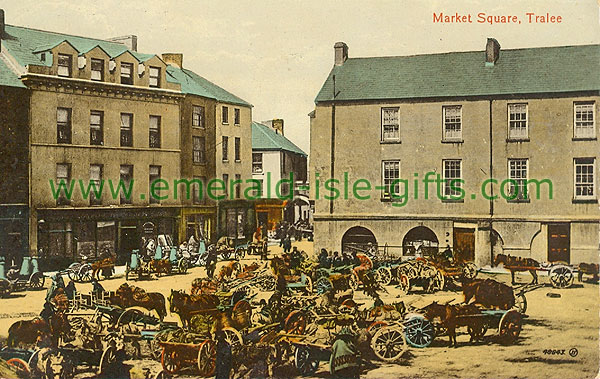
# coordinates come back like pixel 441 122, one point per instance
pixel 559 243
pixel 464 244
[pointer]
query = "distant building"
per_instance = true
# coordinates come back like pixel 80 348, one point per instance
pixel 274 159
pixel 497 114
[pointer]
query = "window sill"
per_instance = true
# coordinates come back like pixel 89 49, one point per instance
pixel 518 201
pixel 258 173
pixel 390 142
pixel 453 140
pixel 238 160
pixel 225 123
pixel 225 160
pixel 237 124
pixel 517 140
pixel 390 200
pixel 199 163
pixel 584 138
pixel 585 201
pixel 198 127
pixel 450 201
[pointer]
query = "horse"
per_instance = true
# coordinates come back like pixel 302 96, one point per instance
pixel 160 266
pixel 450 318
pixel 488 293
pixel 203 286
pixel 228 271
pixel 29 332
pixel 106 266
pixel 130 296
pixel 589 269
pixel 518 264
pixel 280 267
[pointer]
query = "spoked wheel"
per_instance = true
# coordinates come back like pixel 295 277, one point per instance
pixel 240 253
pixel 521 303
pixel 36 281
pixel 561 276
pixel 226 253
pixel 323 285
pixel 374 327
pixel 353 281
pixel 419 331
pixel 305 363
pixel 510 327
pixel 233 337
pixel 295 322
pixel 469 270
pixel 72 271
pixel 384 275
pixel 182 265
pixel 403 283
pixel 170 360
pixel 438 281
pixel 207 357
pixel 85 273
pixel 321 273
pixel 108 359
pixel 268 283
pixel 20 366
pixel 389 344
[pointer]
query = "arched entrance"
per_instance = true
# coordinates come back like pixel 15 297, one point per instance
pixel 422 238
pixel 359 239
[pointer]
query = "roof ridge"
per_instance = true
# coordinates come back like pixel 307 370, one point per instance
pixel 65 34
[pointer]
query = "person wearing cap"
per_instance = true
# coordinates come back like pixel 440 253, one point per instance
pixel 223 356
pixel 345 357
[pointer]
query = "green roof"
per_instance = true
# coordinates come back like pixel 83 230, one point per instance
pixel 8 77
pixel 192 83
pixel 519 71
pixel 265 138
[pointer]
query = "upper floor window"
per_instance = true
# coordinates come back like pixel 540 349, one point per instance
pixel 452 178
pixel 238 186
pixel 198 183
pixel 126 73
pixel 63 125
pixel 127 129
pixel 517 121
pixel 126 176
pixel 154 175
pixel 390 173
pixel 198 116
pixel 225 143
pixel 64 65
pixel 390 127
pixel 226 182
pixel 97 66
pixel 452 123
pixel 257 163
pixel 63 180
pixel 154 133
pixel 236 116
pixel 154 77
pixel 95 184
pixel 198 149
pixel 518 171
pixel 585 178
pixel 585 123
pixel 225 115
pixel 238 144
pixel 96 128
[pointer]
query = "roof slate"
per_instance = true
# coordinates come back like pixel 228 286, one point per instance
pixel 8 77
pixel 265 138
pixel 518 71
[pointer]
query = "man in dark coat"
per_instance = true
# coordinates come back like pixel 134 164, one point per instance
pixel 211 262
pixel 223 361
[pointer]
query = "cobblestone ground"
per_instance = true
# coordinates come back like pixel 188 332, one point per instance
pixel 563 323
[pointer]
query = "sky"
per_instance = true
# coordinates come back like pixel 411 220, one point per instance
pixel 277 54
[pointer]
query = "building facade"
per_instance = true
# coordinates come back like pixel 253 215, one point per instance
pixel 482 124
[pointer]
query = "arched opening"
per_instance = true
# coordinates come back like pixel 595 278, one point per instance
pixel 420 239
pixel 359 239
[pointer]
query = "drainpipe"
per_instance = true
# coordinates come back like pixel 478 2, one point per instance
pixel 491 168
pixel 332 142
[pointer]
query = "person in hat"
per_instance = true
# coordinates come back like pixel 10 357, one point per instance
pixel 223 356
pixel 345 357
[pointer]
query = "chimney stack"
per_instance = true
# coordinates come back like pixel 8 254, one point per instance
pixel 130 41
pixel 341 53
pixel 277 124
pixel 492 52
pixel 175 59
pixel 2 24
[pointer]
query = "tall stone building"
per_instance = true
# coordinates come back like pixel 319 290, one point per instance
pixel 484 123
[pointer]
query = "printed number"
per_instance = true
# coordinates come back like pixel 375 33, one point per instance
pixel 554 352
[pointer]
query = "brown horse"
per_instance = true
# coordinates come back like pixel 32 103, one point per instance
pixel 515 264
pixel 488 293
pixel 453 316
pixel 588 269
pixel 229 271
pixel 28 332
pixel 106 266
pixel 130 296
pixel 203 286
pixel 160 266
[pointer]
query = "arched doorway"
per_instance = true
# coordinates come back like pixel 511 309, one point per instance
pixel 422 238
pixel 359 239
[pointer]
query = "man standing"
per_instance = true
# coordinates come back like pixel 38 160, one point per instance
pixel 211 262
pixel 223 361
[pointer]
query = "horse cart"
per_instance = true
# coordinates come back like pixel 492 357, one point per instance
pixel 252 248
pixel 28 276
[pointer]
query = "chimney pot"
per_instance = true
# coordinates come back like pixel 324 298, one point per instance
pixel 341 53
pixel 175 59
pixel 130 41
pixel 492 52
pixel 278 125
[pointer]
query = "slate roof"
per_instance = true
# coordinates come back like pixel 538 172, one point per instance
pixel 517 71
pixel 266 139
pixel 8 77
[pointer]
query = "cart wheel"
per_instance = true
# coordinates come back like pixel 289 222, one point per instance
pixel 182 266
pixel 383 275
pixel 72 271
pixel 162 374
pixel 309 285
pixel 365 261
pixel 353 281
pixel 170 361
pixel 521 303
pixel 207 357
pixel 374 327
pixel 305 363
pixel 418 331
pixel 295 322
pixel 403 283
pixel 85 273
pixel 437 281
pixel 268 283
pixel 240 253
pixel 201 261
pixel 321 273
pixel 109 357
pixel 36 281
pixel 20 366
pixel 469 270
pixel 242 311
pixel 561 276
pixel 233 337
pixel 389 344
pixel 226 253
pixel 323 285
pixel 510 327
